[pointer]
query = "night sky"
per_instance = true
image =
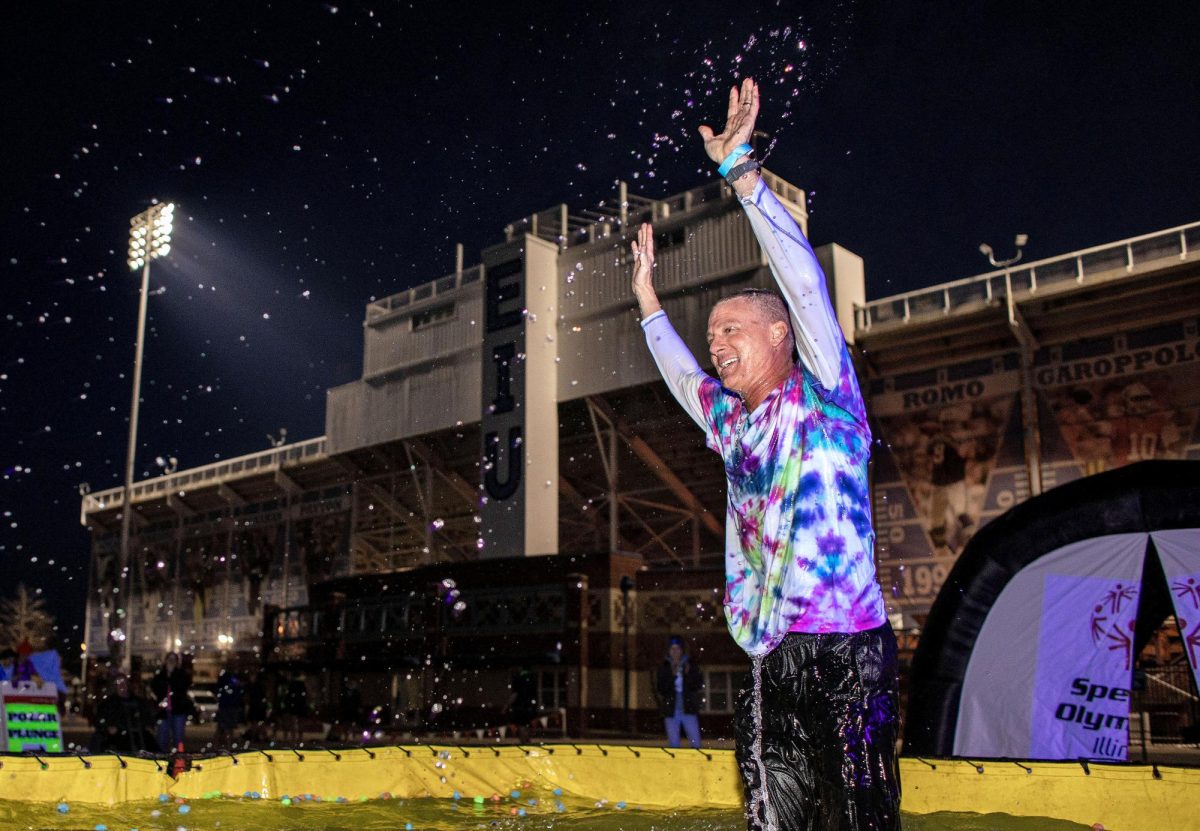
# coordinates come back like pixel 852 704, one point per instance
pixel 324 154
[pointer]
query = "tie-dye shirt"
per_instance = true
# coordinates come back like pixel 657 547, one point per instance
pixel 798 535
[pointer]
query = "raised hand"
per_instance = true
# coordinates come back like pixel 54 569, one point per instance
pixel 739 122
pixel 643 270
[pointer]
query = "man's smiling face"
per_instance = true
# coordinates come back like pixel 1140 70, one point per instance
pixel 744 347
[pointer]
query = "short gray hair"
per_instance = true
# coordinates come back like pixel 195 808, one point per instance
pixel 769 305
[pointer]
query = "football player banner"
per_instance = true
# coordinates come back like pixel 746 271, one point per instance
pixel 30 716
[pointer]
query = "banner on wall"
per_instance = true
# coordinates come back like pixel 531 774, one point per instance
pixel 1049 677
pixel 1119 400
pixel 952 448
pixel 1179 553
pixel 934 481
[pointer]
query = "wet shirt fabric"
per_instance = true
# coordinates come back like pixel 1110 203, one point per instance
pixel 799 538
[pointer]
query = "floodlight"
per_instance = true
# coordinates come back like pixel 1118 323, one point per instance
pixel 150 234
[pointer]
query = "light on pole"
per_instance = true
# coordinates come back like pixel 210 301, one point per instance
pixel 149 239
pixel 1028 345
pixel 986 250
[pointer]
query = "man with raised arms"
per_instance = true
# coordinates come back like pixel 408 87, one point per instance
pixel 816 730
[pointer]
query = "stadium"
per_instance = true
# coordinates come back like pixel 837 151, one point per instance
pixel 509 484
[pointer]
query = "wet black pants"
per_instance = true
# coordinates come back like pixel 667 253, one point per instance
pixel 830 717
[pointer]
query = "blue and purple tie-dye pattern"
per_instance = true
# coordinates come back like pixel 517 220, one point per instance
pixel 799 539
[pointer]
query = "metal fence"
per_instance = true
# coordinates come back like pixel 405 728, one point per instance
pixel 277 458
pixel 1165 708
pixel 1109 261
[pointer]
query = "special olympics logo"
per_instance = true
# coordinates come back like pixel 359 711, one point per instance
pixel 1187 590
pixel 1106 624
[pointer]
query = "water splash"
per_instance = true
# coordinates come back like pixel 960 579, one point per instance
pixel 759 801
pixel 786 60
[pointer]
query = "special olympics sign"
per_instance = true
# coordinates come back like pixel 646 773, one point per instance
pixel 1081 700
pixel 1050 672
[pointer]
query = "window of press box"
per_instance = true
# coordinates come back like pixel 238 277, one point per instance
pixel 432 316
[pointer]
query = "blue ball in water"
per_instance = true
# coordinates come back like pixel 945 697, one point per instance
pixel 162 797
pixel 183 809
pixel 62 807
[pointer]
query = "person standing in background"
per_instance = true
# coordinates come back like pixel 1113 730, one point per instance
pixel 122 720
pixel 171 685
pixel 257 711
pixel 230 705
pixel 678 683
pixel 523 704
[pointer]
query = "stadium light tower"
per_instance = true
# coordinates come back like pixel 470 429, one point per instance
pixel 149 239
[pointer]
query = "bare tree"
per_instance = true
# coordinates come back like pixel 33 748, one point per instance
pixel 24 617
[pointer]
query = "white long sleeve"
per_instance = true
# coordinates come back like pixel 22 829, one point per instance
pixel 676 364
pixel 818 336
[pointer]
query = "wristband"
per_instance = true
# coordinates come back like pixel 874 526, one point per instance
pixel 731 159
pixel 741 170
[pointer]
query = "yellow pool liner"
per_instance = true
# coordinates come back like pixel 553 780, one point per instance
pixel 1120 797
